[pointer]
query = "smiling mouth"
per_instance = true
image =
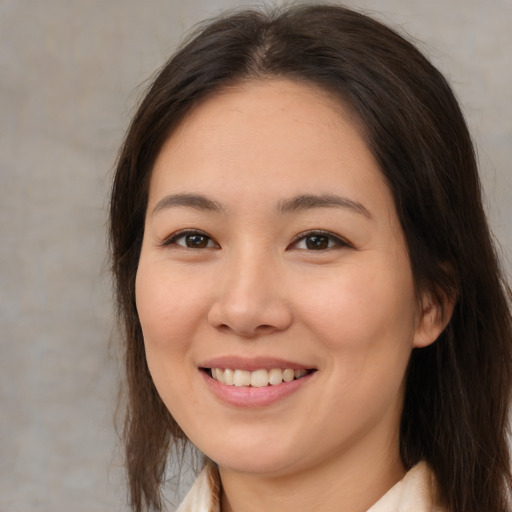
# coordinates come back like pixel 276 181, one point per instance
pixel 256 379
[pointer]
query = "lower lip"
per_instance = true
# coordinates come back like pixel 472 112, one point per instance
pixel 248 396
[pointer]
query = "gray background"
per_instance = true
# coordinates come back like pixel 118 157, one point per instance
pixel 70 75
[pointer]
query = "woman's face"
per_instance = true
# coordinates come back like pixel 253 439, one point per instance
pixel 272 250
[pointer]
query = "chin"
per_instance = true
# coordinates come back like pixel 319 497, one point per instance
pixel 268 465
pixel 261 458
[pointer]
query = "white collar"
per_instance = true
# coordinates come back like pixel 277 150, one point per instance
pixel 414 493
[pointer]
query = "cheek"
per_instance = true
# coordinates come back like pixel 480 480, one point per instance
pixel 168 318
pixel 362 308
pixel 365 322
pixel 168 307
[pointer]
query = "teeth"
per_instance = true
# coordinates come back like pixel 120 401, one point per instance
pixel 259 379
pixel 219 375
pixel 256 379
pixel 300 373
pixel 275 376
pixel 241 377
pixel 228 376
pixel 288 375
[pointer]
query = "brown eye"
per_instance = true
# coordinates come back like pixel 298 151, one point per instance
pixel 317 242
pixel 196 241
pixel 191 240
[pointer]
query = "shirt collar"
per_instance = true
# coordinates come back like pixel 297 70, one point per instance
pixel 416 492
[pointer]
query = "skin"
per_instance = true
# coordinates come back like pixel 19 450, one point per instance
pixel 255 288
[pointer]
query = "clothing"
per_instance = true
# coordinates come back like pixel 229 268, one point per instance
pixel 416 492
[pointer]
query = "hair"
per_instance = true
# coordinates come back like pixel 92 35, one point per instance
pixel 458 390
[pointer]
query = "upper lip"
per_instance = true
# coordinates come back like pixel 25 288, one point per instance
pixel 252 364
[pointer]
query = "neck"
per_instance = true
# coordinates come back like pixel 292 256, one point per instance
pixel 354 481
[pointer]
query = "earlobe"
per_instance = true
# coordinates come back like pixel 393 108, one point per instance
pixel 436 312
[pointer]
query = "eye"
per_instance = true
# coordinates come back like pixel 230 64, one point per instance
pixel 318 241
pixel 191 239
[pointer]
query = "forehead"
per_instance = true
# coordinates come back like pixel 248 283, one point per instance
pixel 267 136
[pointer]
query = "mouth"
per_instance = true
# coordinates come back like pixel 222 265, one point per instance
pixel 258 378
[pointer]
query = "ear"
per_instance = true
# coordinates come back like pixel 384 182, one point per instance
pixel 436 310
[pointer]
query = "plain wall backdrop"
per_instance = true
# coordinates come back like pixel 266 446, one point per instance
pixel 71 72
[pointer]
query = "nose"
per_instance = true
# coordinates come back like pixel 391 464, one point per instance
pixel 251 299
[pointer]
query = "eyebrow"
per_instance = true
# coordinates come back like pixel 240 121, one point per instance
pixel 309 201
pixel 297 203
pixel 197 201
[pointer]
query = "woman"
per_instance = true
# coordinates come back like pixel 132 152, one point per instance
pixel 305 277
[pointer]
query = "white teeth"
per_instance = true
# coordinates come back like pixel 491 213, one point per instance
pixel 219 375
pixel 256 379
pixel 242 378
pixel 259 379
pixel 228 376
pixel 288 375
pixel 275 376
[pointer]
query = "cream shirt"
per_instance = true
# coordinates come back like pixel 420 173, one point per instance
pixel 414 493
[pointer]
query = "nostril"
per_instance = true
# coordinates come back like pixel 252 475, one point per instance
pixel 224 328
pixel 265 328
pixel 246 332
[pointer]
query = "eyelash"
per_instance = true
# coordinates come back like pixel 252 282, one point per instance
pixel 172 240
pixel 337 240
pixel 332 239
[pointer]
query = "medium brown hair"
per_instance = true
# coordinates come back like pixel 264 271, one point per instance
pixel 458 390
